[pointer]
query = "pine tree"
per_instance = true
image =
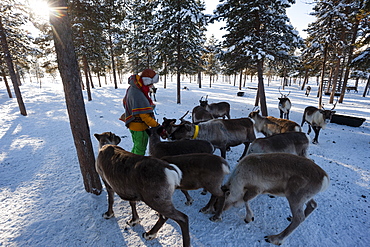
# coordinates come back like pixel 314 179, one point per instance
pixel 212 63
pixel 332 37
pixel 258 30
pixel 69 72
pixel 12 17
pixel 180 36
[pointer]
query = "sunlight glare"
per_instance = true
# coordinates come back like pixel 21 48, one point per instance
pixel 40 8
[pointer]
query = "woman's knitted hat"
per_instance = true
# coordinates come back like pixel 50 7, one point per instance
pixel 149 77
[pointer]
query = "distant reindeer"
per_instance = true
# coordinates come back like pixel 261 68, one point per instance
pixel 308 90
pixel 152 92
pixel 297 178
pixel 317 119
pixel 140 178
pixel 221 109
pixel 284 105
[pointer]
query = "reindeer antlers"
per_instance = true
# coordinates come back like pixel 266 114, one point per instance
pixel 181 118
pixel 283 95
pixel 256 108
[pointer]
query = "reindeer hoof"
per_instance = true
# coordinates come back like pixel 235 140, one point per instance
pixel 106 215
pixel 215 218
pixel 206 210
pixel 188 203
pixel 273 239
pixel 133 222
pixel 248 221
pixel 148 236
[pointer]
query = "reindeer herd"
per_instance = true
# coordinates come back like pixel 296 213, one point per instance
pixel 275 164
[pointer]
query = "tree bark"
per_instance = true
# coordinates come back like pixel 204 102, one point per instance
pixel 6 83
pixel 261 88
pixel 350 55
pixel 366 87
pixel 13 76
pixel 69 72
pixel 319 93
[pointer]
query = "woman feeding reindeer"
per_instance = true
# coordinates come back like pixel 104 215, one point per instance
pixel 139 109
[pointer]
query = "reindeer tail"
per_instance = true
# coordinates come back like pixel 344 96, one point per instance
pixel 174 175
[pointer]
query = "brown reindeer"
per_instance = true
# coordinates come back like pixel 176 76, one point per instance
pixel 140 178
pixel 297 178
pixel 271 125
pixel 202 170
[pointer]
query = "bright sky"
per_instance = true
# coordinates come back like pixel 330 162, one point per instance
pixel 298 14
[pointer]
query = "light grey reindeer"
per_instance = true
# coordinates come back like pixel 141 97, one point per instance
pixel 140 178
pixel 290 142
pixel 297 178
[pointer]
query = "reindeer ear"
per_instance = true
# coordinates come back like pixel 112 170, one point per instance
pixel 117 139
pixel 333 112
pixel 97 136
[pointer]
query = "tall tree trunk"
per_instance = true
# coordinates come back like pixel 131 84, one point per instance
pixel 305 80
pixel 9 62
pixel 112 60
pixel 6 83
pixel 84 61
pixel 200 79
pixel 240 79
pixel 349 60
pixel 261 88
pixel 366 87
pixel 69 72
pixel 319 93
pixel 335 80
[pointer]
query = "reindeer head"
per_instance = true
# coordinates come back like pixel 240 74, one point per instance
pixel 107 138
pixel 254 113
pixel 203 103
pixel 328 114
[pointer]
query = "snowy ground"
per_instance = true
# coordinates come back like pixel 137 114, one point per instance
pixel 43 202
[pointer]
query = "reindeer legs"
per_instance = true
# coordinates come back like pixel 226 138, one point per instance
pixel 296 200
pixel 249 195
pixel 153 232
pixel 189 199
pixel 316 129
pixel 167 211
pixel 297 219
pixel 135 217
pixel 109 214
